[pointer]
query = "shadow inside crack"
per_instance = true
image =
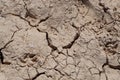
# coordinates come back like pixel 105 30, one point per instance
pixel 110 66
pixel 37 75
pixel 49 43
pixel 1 54
pixel 114 67
pixel 71 43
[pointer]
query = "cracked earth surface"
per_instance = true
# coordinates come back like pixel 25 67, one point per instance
pixel 59 39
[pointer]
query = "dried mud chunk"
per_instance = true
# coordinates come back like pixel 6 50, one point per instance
pixel 7 28
pixel 87 35
pixel 83 71
pixel 61 59
pixel 12 74
pixel 60 39
pixel 93 44
pixel 37 10
pixel 32 72
pixel 25 43
pixel 111 73
pixel 65 36
pixel 18 22
pixel 49 63
pixel 114 59
pixel 69 69
pixel 2 76
pixel 12 6
pixel 70 60
pixel 72 12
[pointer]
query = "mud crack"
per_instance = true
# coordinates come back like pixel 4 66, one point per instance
pixel 49 43
pixel 116 67
pixel 87 3
pixel 1 54
pixel 37 75
pixel 71 43
pixel 41 20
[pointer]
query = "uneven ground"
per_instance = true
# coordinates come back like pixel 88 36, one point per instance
pixel 60 39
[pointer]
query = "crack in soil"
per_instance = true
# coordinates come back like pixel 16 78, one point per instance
pixel 49 43
pixel 22 19
pixel 87 3
pixel 37 75
pixel 68 50
pixel 28 13
pixel 117 67
pixel 48 40
pixel 42 20
pixel 71 43
pixel 1 54
pixel 114 67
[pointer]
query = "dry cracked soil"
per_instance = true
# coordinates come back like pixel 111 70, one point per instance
pixel 59 39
